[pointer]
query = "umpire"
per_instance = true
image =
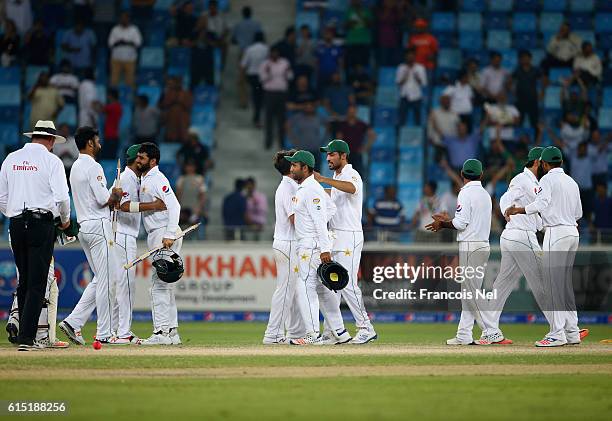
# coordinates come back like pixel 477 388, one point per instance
pixel 33 190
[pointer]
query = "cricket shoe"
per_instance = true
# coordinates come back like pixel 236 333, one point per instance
pixel 550 342
pixel 364 336
pixel 332 338
pixel 582 333
pixel 275 341
pixel 36 346
pixel 174 336
pixel 74 335
pixel 494 339
pixel 13 331
pixel 457 341
pixel 309 339
pixel 123 341
pixel 57 344
pixel 159 338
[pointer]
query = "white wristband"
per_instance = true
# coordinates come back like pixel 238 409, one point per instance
pixel 134 207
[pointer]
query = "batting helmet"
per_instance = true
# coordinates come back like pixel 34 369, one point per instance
pixel 333 275
pixel 168 265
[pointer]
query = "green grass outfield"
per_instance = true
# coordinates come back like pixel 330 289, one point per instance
pixel 222 372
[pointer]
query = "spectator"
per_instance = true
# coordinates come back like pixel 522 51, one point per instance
pixel 358 23
pixel 274 75
pixel 526 78
pixel 175 105
pixel 389 18
pixel 251 62
pixel 112 111
pixel 257 208
pixel 46 100
pixel 194 150
pixel 410 78
pixel 359 136
pixel 124 41
pixel 473 78
pixel 582 172
pixel 83 11
pixel 9 44
pixel 362 84
pixel 234 212
pixel 463 146
pixel 37 45
pixel 576 101
pixel 428 206
pixel 287 46
pixel 78 45
pixel 588 120
pixel 66 82
pixel 203 59
pixel 306 59
pixel 387 212
pixel 571 135
pixel 499 163
pixel 68 151
pixel 602 212
pixel 20 12
pixel 561 49
pixel 301 95
pixel 493 78
pixel 191 193
pixel 88 100
pixel 329 58
pixel 462 96
pixel 217 24
pixel 588 65
pixel 424 44
pixel 337 97
pixel 145 121
pixel 245 30
pixel 186 24
pixel 599 152
pixel 304 130
pixel 442 122
pixel 505 116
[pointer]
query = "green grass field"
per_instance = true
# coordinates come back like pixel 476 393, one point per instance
pixel 222 372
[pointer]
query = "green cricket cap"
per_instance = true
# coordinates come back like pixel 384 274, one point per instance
pixel 552 154
pixel 472 167
pixel 534 153
pixel 304 157
pixel 336 145
pixel 132 151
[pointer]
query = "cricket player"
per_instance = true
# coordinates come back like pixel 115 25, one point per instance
pixel 93 202
pixel 162 228
pixel 284 316
pixel 521 253
pixel 312 211
pixel 558 202
pixel 473 224
pixel 347 194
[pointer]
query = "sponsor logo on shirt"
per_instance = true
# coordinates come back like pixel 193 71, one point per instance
pixel 316 201
pixel 165 189
pixel 99 178
pixel 25 166
pixel 458 208
pixel 537 189
pixel 294 199
pixel 125 194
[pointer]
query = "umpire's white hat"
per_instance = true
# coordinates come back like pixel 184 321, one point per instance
pixel 46 128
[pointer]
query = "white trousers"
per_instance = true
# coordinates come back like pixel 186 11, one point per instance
pixel 163 302
pixel 311 293
pixel 521 255
pixel 347 251
pixel 95 237
pixel 285 318
pixel 125 290
pixel 473 254
pixel 560 246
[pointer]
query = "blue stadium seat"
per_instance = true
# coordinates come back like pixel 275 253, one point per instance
pixel 497 21
pixel 31 75
pixel 607 97
pixel 152 58
pixel 450 58
pixel 9 134
pixel 101 93
pixel 109 166
pixel 223 5
pixel 381 155
pixel 501 5
pixel 443 22
pixel 524 22
pixel 499 40
pixel 471 22
pixel 167 152
pixel 10 75
pixel 527 5
pixel 387 96
pixel 552 98
pixel 204 115
pixel 385 137
pixel 308 18
pixel 411 136
pixel 409 195
pixel 163 4
pixel 150 77
pixel 338 4
pixel 435 95
pixel 525 41
pixel 470 40
pixel 205 133
pixel 587 36
pixel 125 123
pixel 554 5
pixel 580 21
pixel 386 76
pixel 537 55
pixel 605 118
pixel 180 57
pixel 605 41
pixel 206 95
pixel 68 115
pixel 445 39
pixel 335 18
pixel 409 172
pixel 151 91
pixel 385 116
pixel 363 113
pixel 412 155
pixel 509 59
pixel 156 37
pixel 10 96
pixel 382 172
pixel 550 22
pixel 473 5
pixel 557 74
pixel 582 5
pixel 603 22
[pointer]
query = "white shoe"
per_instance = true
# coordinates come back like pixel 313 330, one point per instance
pixel 275 341
pixel 174 337
pixel 57 344
pixel 157 339
pixel 456 341
pixel 364 336
pixel 309 339
pixel 123 341
pixel 550 342
pixel 74 335
pixel 37 346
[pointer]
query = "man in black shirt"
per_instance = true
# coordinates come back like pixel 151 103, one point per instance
pixel 525 79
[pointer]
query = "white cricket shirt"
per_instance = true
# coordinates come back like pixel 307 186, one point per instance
pixel 348 206
pixel 473 214
pixel 89 190
pixel 129 223
pixel 283 204
pixel 155 185
pixel 521 192
pixel 34 178
pixel 558 201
